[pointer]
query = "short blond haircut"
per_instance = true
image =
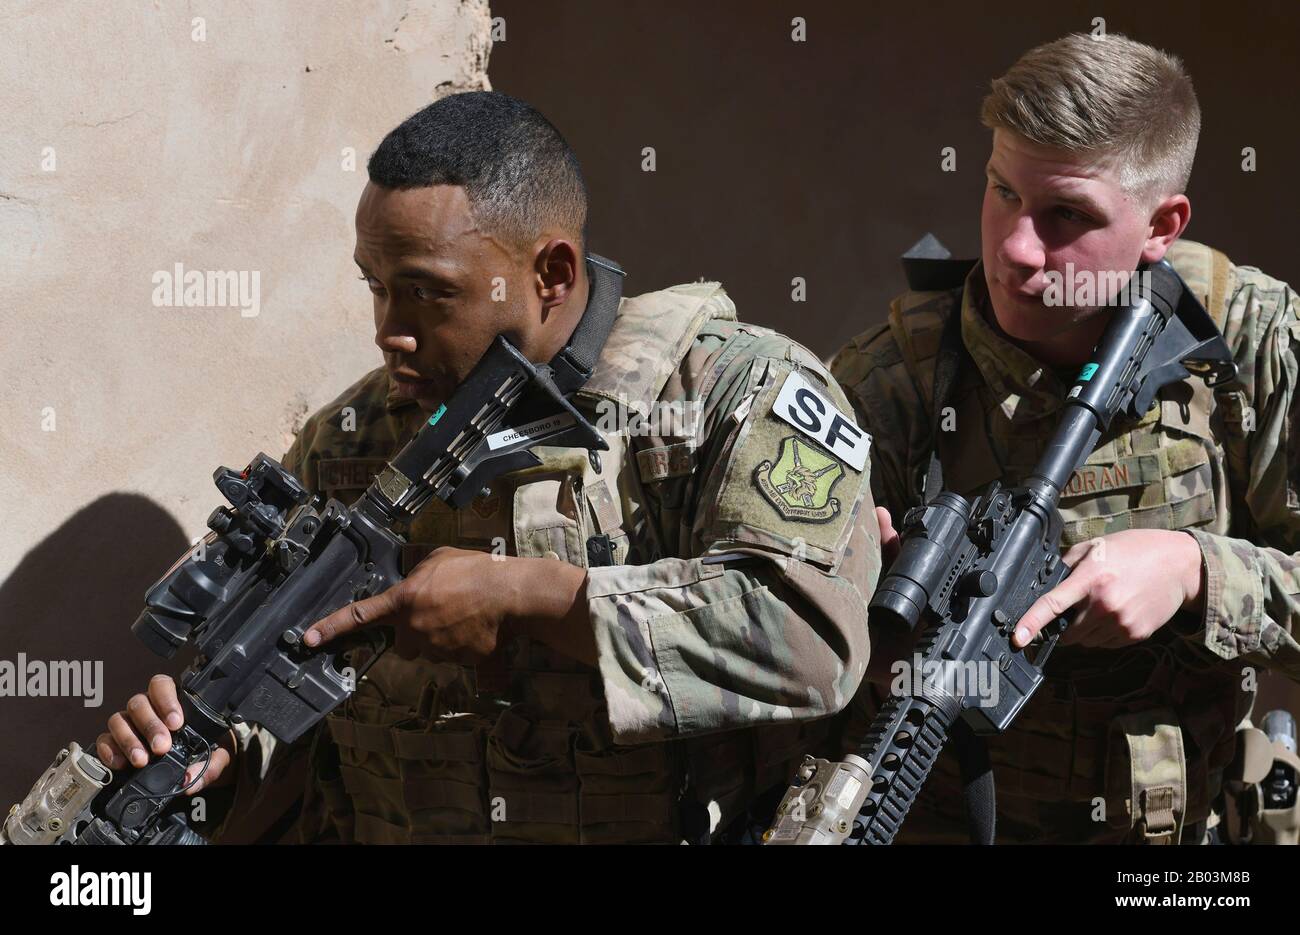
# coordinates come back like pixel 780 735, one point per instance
pixel 1106 97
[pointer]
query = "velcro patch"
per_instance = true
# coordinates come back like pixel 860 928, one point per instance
pixel 656 464
pixel 804 406
pixel 602 504
pixel 782 489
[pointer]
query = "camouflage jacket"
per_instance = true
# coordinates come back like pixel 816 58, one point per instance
pixel 744 549
pixel 1219 464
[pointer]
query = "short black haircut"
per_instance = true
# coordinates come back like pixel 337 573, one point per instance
pixel 519 173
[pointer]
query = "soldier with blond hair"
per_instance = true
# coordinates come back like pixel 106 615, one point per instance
pixel 1183 526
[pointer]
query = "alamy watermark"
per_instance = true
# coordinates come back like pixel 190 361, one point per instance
pixel 211 288
pixel 674 419
pixel 974 678
pixel 59 678
pixel 1093 289
pixel 77 887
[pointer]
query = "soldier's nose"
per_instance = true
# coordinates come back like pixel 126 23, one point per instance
pixel 395 343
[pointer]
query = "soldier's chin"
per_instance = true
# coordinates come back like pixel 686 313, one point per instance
pixel 430 403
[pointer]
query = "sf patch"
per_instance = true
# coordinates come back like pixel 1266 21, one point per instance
pixel 800 483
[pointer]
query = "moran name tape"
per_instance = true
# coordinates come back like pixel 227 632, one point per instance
pixel 811 412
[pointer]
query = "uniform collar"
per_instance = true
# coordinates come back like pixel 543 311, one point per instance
pixel 1025 387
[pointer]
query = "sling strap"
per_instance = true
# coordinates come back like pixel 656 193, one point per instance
pixel 929 267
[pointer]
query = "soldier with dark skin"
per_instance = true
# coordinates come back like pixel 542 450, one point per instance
pixel 430 266
pixel 725 618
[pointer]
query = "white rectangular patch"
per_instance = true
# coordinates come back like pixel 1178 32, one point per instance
pixel 809 410
pixel 530 430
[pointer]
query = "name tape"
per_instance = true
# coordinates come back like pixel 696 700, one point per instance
pixel 529 431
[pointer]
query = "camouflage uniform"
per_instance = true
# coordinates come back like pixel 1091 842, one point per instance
pixel 723 608
pixel 1148 728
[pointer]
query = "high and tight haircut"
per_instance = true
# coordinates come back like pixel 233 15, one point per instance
pixel 1105 96
pixel 519 173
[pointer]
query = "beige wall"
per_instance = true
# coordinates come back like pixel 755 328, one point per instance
pixel 130 142
pixel 221 154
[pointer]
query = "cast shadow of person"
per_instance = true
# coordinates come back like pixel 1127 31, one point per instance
pixel 73 598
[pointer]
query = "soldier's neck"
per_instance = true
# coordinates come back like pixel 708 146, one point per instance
pixel 1069 349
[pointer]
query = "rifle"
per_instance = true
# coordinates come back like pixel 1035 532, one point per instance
pixel 279 558
pixel 966 573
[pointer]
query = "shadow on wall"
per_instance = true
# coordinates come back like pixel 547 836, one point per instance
pixel 73 598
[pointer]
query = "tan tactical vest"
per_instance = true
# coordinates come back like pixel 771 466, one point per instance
pixel 438 753
pixel 1150 728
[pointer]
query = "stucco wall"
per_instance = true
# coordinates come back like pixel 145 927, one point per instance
pixel 137 136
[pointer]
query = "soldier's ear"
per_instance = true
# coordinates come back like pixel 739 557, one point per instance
pixel 1168 219
pixel 557 268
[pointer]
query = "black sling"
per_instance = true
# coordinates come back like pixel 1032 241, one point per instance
pixel 929 266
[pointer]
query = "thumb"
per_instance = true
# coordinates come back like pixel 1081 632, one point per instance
pixel 220 759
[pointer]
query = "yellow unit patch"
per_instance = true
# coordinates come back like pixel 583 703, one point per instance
pixel 799 484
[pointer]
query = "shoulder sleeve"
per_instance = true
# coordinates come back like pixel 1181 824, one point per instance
pixel 1252 576
pixel 763 616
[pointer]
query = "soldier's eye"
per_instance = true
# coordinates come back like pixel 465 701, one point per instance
pixel 428 294
pixel 375 285
pixel 1004 193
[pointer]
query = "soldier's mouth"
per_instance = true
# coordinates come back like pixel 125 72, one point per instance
pixel 413 388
